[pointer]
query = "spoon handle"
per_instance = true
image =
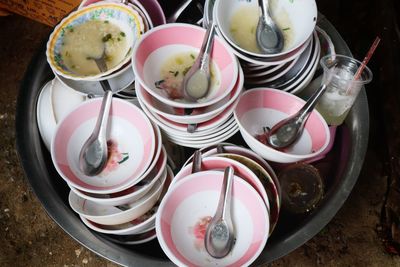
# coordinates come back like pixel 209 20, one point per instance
pixel 224 204
pixel 264 4
pixel 100 128
pixel 306 110
pixel 206 47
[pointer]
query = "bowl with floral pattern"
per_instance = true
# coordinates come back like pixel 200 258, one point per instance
pixel 102 30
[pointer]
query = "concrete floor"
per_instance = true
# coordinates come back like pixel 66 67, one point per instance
pixel 30 238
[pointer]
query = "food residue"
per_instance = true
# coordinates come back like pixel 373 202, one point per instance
pixel 174 70
pixel 82 43
pixel 199 231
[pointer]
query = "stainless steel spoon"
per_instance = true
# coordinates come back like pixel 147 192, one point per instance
pixel 94 153
pixel 196 82
pixel 269 37
pixel 220 235
pixel 288 130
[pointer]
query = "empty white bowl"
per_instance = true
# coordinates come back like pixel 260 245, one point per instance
pixel 132 140
pixel 189 204
pixel 264 107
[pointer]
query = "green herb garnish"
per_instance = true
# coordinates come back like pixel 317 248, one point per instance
pixel 71 30
pixel 192 56
pixel 107 37
pixel 286 29
pixel 106 21
pixel 122 34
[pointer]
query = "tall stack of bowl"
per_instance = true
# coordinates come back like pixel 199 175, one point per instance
pixel 290 70
pixel 192 199
pixel 123 199
pixel 198 123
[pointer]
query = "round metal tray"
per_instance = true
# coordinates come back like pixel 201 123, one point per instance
pixel 348 154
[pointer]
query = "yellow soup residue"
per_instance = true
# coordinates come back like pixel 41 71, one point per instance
pixel 243 26
pixel 86 41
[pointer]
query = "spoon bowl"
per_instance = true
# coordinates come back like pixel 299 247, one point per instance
pixel 196 83
pixel 268 36
pixel 220 235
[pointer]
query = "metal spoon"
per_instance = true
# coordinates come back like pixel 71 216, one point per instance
pixel 196 82
pixel 269 37
pixel 288 130
pixel 196 164
pixel 220 235
pixel 94 153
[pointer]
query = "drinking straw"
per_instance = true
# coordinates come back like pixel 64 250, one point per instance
pixel 365 61
pixel 367 58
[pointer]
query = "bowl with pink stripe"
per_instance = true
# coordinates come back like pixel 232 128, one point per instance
pixel 264 107
pixel 165 53
pixel 130 139
pixel 187 208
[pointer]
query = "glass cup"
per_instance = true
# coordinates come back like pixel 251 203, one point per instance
pixel 342 90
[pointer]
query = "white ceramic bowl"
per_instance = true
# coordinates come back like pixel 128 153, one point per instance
pixel 299 17
pixel 124 17
pixel 46 120
pixel 188 205
pixel 133 145
pixel 162 44
pixel 113 215
pixel 264 107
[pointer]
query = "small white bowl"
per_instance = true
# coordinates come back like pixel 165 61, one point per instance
pixel 299 16
pixel 189 204
pixel 112 215
pixel 131 134
pixel 161 44
pixel 64 99
pixel 264 107
pixel 46 120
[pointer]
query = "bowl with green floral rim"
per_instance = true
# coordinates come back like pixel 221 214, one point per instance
pixel 108 30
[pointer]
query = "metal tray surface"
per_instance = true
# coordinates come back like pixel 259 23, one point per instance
pixel 349 151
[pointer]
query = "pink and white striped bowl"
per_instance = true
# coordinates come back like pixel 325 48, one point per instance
pixel 131 134
pixel 264 107
pixel 159 44
pixel 188 205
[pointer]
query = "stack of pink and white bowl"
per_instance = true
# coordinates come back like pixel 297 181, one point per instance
pixel 192 199
pixel 292 68
pixel 124 197
pixel 160 61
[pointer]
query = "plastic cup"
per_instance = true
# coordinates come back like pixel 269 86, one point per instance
pixel 342 89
